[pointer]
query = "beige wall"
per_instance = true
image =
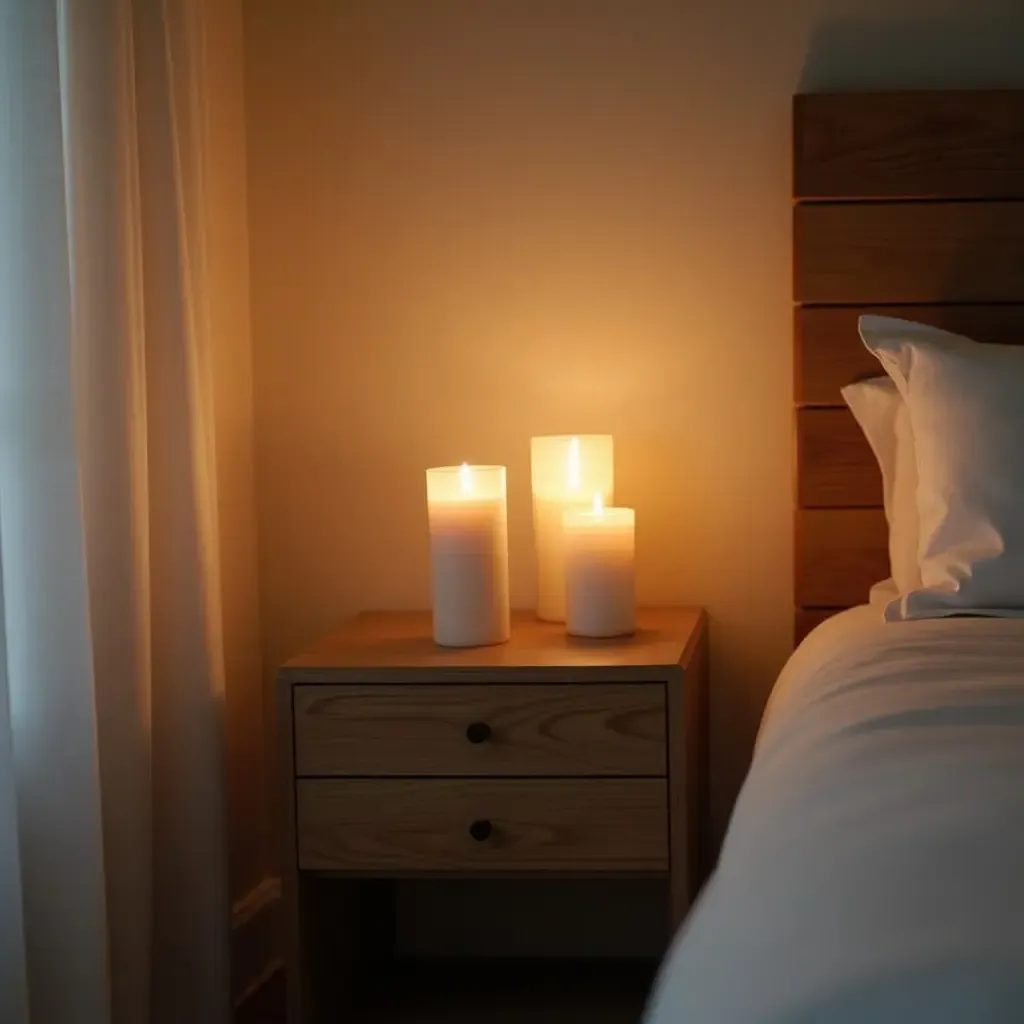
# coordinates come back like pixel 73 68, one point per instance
pixel 473 221
pixel 251 863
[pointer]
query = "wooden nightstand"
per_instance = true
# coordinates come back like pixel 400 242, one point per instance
pixel 547 755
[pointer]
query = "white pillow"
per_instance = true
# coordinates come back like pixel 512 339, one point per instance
pixel 882 414
pixel 966 408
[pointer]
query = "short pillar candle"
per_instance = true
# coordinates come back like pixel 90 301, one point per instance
pixel 566 471
pixel 599 574
pixel 468 555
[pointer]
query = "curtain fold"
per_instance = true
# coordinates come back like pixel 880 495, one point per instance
pixel 112 847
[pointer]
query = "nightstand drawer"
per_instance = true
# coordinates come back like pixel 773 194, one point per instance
pixel 427 729
pixel 418 825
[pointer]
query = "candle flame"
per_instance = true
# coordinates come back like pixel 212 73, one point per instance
pixel 465 479
pixel 573 467
pixel 598 504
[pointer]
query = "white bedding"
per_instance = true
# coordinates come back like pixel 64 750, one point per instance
pixel 874 867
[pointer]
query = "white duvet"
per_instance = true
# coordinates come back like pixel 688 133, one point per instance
pixel 874 868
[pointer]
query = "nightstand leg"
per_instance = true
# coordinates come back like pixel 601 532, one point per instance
pixel 688 781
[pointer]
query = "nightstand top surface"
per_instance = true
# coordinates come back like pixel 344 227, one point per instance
pixel 399 647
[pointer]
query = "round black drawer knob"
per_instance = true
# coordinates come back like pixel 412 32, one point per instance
pixel 478 732
pixel 481 830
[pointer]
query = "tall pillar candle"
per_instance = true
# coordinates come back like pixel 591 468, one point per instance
pixel 567 471
pixel 468 555
pixel 599 575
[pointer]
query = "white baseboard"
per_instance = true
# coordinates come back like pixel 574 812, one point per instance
pixel 255 937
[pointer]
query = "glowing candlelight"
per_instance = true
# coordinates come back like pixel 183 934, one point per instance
pixel 599 577
pixel 566 470
pixel 468 554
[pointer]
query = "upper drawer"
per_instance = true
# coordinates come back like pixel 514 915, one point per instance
pixel 584 729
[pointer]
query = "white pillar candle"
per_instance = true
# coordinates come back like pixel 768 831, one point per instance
pixel 599 587
pixel 468 555
pixel 566 472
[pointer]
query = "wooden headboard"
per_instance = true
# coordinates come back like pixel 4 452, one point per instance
pixel 909 204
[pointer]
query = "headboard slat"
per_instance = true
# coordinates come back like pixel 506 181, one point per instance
pixel 911 204
pixel 837 467
pixel 850 253
pixel 807 618
pixel 829 354
pixel 840 554
pixel 909 145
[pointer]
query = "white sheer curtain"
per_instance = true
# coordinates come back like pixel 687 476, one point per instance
pixel 113 895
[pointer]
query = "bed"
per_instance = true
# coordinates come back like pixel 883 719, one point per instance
pixel 873 870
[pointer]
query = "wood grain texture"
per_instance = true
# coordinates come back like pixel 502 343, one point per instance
pixel 601 729
pixel 860 246
pixel 830 354
pixel 837 466
pixel 397 647
pixel 808 618
pixel 326 945
pixel 909 252
pixel 911 145
pixel 688 779
pixel 387 825
pixel 352 833
pixel 840 554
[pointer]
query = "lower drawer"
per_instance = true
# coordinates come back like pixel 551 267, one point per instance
pixel 425 825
